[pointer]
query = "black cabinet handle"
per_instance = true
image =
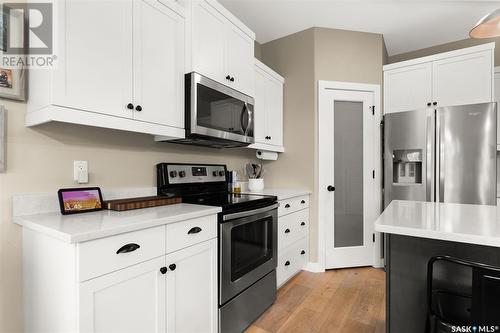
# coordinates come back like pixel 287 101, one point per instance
pixel 130 106
pixel 287 263
pixel 429 104
pixel 302 201
pixel 330 188
pixel 287 206
pixel 228 77
pixel 231 79
pixel 163 270
pixel 435 103
pixel 128 248
pixel 194 230
pixel 302 252
pixel 302 223
pixel 287 231
pixel 138 108
pixel 172 267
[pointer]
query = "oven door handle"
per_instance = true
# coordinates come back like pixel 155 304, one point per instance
pixel 249 212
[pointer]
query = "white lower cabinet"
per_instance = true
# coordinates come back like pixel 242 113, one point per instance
pixel 293 237
pixel 129 300
pixel 192 289
pixel 147 288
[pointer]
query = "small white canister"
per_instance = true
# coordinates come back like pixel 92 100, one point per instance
pixel 256 184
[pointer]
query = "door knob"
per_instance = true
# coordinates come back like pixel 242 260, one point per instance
pixel 130 106
pixel 138 108
pixel 163 270
pixel 435 103
pixel 172 267
pixel 231 79
pixel 429 104
pixel 330 188
pixel 228 77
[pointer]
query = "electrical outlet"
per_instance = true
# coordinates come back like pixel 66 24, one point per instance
pixel 81 172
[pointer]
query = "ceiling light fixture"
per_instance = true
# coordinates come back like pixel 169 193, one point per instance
pixel 487 27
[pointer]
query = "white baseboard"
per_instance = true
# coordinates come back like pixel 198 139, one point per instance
pixel 314 267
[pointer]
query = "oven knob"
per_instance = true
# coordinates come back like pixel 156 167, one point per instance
pixel 214 173
pixel 221 173
pixel 182 174
pixel 173 174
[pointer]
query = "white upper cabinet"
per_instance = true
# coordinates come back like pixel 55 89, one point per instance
pixel 453 78
pixel 158 64
pixel 465 79
pixel 119 65
pixel 398 94
pixel 268 109
pixel 94 70
pixel 221 47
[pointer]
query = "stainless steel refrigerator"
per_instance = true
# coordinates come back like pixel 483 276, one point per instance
pixel 445 154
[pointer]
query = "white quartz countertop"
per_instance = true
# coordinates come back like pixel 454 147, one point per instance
pixel 472 224
pixel 87 226
pixel 282 194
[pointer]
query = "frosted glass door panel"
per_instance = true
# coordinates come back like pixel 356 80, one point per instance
pixel 348 169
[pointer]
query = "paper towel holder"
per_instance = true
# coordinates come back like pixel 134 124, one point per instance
pixel 266 155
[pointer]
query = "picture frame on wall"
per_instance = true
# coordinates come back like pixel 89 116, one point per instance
pixel 12 80
pixel 3 126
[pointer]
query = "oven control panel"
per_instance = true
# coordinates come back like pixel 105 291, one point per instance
pixel 193 173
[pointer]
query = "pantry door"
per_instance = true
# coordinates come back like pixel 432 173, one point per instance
pixel 347 183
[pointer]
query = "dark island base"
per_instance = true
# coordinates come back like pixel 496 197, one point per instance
pixel 406 271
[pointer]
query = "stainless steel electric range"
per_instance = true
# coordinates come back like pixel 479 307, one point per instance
pixel 247 239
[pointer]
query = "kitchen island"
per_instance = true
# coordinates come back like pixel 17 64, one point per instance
pixel 415 232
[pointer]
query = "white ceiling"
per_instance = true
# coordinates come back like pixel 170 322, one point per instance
pixel 406 25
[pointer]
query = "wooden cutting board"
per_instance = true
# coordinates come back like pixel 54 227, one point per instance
pixel 141 202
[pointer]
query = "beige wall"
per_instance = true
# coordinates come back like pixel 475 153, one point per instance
pixel 41 160
pixel 447 47
pixel 303 59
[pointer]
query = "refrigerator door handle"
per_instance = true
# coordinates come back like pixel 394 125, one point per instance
pixel 440 155
pixel 429 186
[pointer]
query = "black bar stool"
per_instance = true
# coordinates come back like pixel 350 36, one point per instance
pixel 458 302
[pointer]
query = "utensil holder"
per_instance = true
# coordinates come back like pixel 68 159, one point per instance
pixel 256 184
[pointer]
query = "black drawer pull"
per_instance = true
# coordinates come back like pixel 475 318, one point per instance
pixel 163 270
pixel 302 223
pixel 287 206
pixel 287 263
pixel 302 252
pixel 172 267
pixel 287 231
pixel 128 248
pixel 302 201
pixel 194 230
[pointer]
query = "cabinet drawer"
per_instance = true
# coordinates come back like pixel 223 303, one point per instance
pixel 101 256
pixel 292 261
pixel 292 227
pixel 293 204
pixel 190 232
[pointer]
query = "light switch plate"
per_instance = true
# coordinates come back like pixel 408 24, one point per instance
pixel 81 172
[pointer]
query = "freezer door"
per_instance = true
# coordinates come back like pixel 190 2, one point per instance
pixel 409 139
pixel 467 154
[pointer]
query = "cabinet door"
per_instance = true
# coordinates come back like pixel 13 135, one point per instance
pixel 275 112
pixel 94 70
pixel 208 39
pixel 192 302
pixel 261 107
pixel 158 64
pixel 465 79
pixel 408 88
pixel 240 59
pixel 497 99
pixel 128 300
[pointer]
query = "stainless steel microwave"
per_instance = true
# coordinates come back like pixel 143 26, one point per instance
pixel 216 115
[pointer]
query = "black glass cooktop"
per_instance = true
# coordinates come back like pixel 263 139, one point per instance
pixel 230 201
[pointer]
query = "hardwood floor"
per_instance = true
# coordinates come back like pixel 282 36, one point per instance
pixel 343 300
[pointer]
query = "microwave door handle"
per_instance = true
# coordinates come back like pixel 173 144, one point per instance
pixel 242 118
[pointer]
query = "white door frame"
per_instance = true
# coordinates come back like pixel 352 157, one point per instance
pixel 323 88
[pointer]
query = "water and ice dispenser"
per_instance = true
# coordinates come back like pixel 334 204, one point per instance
pixel 407 166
